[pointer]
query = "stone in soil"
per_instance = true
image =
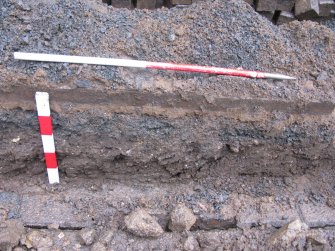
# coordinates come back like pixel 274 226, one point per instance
pixel 10 234
pixel 288 232
pixel 39 240
pixel 87 236
pixel 98 247
pixel 182 218
pixel 191 244
pixel 142 224
pixel 208 242
pixel 19 249
pixel 316 239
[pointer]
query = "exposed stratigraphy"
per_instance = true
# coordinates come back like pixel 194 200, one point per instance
pixel 246 156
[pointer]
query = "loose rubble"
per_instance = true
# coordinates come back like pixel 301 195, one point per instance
pixel 87 236
pixel 278 11
pixel 191 244
pixel 98 246
pixel 182 218
pixel 10 234
pixel 281 12
pixel 288 232
pixel 39 240
pixel 141 224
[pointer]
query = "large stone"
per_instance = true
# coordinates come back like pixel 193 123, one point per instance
pixel 267 14
pixel 3 214
pixel 87 236
pixel 318 215
pixel 191 244
pixel 306 9
pixel 39 240
pixel 159 3
pixel 265 5
pixel 19 249
pixel 209 240
pixel 10 234
pixel 210 222
pixel 316 239
pixel 272 5
pixel 146 4
pixel 141 224
pixel 52 210
pixel 264 211
pixel 98 247
pixel 175 2
pixel 325 7
pixel 284 5
pixel 182 218
pixel 288 232
pixel 251 2
pixel 285 17
pixel 122 3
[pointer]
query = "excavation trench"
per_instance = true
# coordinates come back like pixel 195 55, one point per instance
pixel 148 136
pixel 245 156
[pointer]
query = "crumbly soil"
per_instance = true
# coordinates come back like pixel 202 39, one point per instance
pixel 247 156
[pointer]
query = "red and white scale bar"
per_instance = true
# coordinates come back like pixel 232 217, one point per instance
pixel 147 64
pixel 44 118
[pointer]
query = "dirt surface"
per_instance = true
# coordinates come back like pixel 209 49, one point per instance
pixel 245 156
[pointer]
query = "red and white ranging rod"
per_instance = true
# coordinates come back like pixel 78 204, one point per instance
pixel 147 64
pixel 44 118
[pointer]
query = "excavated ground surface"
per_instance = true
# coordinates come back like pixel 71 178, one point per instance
pixel 247 156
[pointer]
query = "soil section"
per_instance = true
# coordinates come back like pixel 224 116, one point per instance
pixel 245 156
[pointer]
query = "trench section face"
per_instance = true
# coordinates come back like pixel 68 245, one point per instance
pixel 129 135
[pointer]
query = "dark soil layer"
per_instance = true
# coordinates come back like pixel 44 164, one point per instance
pixel 111 135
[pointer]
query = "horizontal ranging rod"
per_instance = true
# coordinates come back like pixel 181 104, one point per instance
pixel 147 64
